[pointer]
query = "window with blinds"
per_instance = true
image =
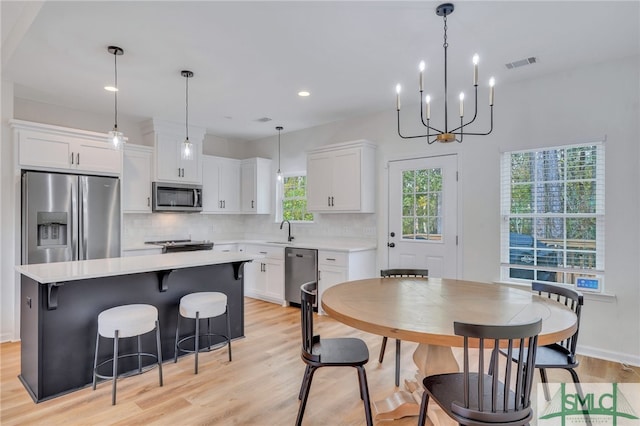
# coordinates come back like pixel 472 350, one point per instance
pixel 552 207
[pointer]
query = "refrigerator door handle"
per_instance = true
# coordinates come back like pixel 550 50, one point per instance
pixel 73 215
pixel 83 202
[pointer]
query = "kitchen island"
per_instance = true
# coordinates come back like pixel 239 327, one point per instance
pixel 60 303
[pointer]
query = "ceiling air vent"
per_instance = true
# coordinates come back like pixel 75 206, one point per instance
pixel 263 120
pixel 521 63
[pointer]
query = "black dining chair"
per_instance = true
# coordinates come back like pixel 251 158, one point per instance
pixel 338 352
pixel 475 398
pixel 561 354
pixel 387 273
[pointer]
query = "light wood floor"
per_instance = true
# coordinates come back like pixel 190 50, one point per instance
pixel 259 387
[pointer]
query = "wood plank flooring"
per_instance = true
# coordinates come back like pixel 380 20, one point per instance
pixel 259 387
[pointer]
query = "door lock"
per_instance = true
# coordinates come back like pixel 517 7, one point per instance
pixel 392 245
pixel 393 234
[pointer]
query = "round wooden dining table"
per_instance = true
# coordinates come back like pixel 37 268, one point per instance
pixel 423 310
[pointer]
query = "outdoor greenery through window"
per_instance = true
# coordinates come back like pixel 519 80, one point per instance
pixel 553 214
pixel 422 204
pixel 294 199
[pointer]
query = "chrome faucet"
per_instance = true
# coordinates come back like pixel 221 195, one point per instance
pixel 289 237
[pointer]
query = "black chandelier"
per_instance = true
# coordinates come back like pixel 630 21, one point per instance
pixel 458 133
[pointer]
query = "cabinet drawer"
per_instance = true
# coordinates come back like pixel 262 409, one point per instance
pixel 267 251
pixel 333 258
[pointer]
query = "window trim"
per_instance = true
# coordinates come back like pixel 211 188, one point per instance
pixel 280 196
pixel 599 216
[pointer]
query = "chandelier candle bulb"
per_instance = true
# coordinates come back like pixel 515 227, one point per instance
pixel 475 69
pixel 492 82
pixel 422 65
pixel 428 101
pixel 461 104
pixel 398 88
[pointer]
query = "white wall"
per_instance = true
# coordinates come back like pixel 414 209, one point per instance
pixel 572 106
pixel 9 315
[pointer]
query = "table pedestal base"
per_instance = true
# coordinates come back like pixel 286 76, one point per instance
pixel 430 360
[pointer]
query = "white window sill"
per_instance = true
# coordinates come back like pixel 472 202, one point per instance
pixel 588 295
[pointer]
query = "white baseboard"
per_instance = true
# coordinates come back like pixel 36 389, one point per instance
pixel 8 337
pixel 629 359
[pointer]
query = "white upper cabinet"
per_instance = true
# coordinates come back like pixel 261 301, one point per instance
pixel 167 139
pixel 136 179
pixel 220 185
pixel 256 185
pixel 49 147
pixel 341 178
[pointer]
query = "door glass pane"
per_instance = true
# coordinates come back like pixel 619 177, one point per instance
pixel 422 204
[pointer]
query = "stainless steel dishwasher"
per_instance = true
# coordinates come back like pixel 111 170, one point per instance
pixel 300 266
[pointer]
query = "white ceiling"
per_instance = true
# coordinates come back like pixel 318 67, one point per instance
pixel 251 58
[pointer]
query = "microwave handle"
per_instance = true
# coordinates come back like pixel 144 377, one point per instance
pixel 195 197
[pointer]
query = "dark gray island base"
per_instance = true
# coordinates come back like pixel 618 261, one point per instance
pixel 59 320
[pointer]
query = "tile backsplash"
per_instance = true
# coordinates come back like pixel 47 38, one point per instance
pixel 138 228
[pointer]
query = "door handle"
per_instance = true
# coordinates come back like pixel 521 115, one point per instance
pixel 148 201
pixel 78 159
pixel 392 245
pixel 252 204
pixel 72 158
pixel 329 201
pixel 393 234
pixel 332 205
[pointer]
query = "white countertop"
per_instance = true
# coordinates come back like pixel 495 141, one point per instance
pixel 333 245
pixel 85 269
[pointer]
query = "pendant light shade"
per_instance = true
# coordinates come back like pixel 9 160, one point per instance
pixel 279 173
pixel 115 136
pixel 187 146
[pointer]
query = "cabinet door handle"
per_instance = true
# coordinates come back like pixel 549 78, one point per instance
pixel 72 158
pixel 330 259
pixel 148 201
pixel 178 171
pixel 78 159
pixel 252 203
pixel 263 252
pixel 332 205
pixel 224 204
pixel 319 275
pixel 328 201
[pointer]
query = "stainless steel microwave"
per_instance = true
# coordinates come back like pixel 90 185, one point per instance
pixel 176 197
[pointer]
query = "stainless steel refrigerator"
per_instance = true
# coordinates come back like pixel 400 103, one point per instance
pixel 69 217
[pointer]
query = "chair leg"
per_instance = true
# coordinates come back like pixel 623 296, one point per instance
pixel 397 362
pixel 228 332
pixel 208 334
pixel 196 348
pixel 304 381
pixel 364 392
pixel 305 395
pixel 115 367
pixel 576 382
pixel 423 409
pixel 382 349
pixel 95 361
pixel 175 349
pixel 545 384
pixel 159 349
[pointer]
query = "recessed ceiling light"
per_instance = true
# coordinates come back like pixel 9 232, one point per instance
pixel 303 93
pixel 111 88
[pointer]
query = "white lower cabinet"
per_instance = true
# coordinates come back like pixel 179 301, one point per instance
pixel 264 278
pixel 335 267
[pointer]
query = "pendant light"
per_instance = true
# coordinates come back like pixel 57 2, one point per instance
pixel 279 173
pixel 187 146
pixel 115 136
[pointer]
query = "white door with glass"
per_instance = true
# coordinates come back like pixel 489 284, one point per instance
pixel 423 215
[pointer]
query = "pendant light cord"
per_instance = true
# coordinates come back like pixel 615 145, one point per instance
pixel 115 67
pixel 186 109
pixel 278 149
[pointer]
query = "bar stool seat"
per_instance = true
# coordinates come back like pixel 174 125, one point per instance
pixel 199 306
pixel 122 322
